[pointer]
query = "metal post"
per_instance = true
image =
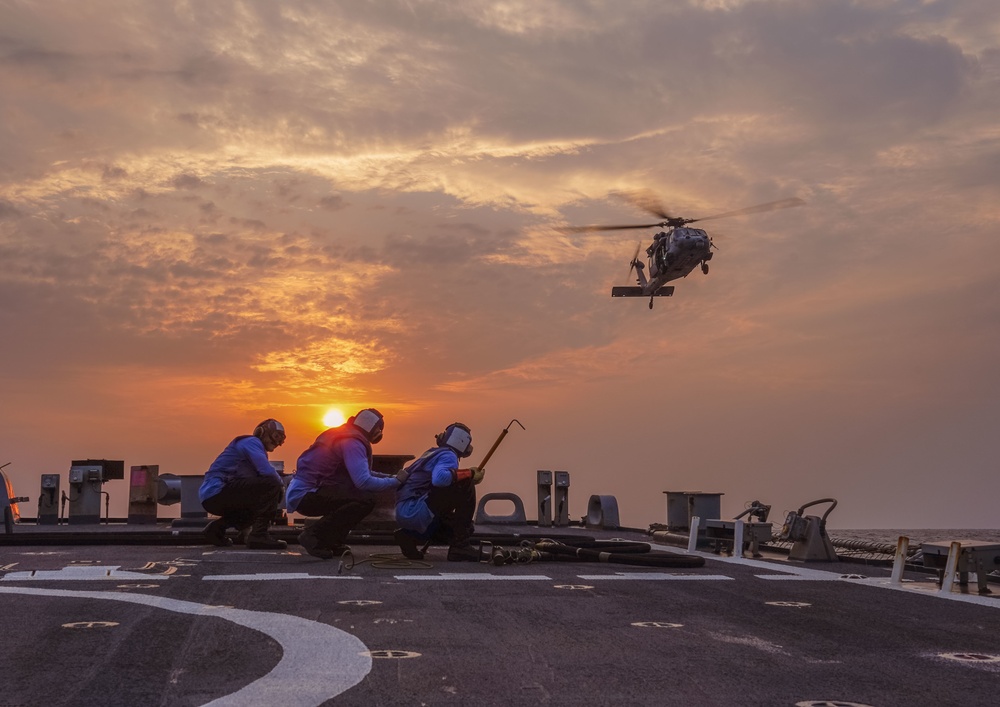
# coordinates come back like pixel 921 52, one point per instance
pixel 562 499
pixel 738 539
pixel 948 578
pixel 899 563
pixel 693 537
pixel 142 494
pixel 544 498
pixel 48 500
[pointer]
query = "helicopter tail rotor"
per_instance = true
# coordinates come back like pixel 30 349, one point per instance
pixel 634 263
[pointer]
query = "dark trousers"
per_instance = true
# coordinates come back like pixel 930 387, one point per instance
pixel 338 515
pixel 243 501
pixel 454 508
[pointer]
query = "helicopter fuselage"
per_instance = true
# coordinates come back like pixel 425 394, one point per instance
pixel 673 254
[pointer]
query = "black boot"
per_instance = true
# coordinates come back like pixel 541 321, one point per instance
pixel 463 552
pixel 242 531
pixel 260 539
pixel 311 544
pixel 407 542
pixel 216 533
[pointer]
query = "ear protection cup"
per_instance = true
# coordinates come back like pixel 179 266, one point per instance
pixel 458 437
pixel 371 422
pixel 272 430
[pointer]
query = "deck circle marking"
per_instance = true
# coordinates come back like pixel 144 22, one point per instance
pixel 830 703
pixel 138 586
pixel 656 624
pixel 794 604
pixel 394 654
pixel 853 576
pixel 971 657
pixel 308 649
pixel 360 602
pixel 91 624
pixel 573 586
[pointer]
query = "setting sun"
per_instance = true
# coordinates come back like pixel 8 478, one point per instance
pixel 334 418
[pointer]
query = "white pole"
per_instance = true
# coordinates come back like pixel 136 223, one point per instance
pixel 738 539
pixel 898 564
pixel 950 567
pixel 693 538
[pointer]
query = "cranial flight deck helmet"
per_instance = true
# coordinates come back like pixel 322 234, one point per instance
pixel 458 437
pixel 371 422
pixel 271 433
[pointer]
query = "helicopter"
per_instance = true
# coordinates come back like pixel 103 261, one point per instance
pixel 674 252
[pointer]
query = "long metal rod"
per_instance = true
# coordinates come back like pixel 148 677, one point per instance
pixel 482 464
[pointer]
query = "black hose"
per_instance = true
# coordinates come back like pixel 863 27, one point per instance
pixel 617 552
pixel 618 546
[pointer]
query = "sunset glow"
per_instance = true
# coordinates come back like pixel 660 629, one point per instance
pixel 333 418
pixel 215 213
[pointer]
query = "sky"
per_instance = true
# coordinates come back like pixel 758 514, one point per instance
pixel 213 213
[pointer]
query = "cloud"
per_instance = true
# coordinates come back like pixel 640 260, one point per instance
pixel 265 204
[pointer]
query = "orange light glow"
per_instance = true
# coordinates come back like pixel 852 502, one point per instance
pixel 334 417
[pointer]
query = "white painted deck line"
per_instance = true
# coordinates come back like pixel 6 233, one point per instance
pixel 655 576
pixel 320 661
pixel 272 577
pixel 472 576
pixel 803 573
pixel 78 573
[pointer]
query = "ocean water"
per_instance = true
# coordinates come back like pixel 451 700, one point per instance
pixel 916 536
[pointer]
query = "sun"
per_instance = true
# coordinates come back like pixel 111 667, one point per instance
pixel 334 418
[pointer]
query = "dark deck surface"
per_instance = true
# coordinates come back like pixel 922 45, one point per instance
pixel 188 624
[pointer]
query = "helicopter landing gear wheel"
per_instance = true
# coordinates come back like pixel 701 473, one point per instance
pixel 650 302
pixel 704 268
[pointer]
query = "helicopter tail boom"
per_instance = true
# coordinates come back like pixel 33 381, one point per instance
pixel 666 291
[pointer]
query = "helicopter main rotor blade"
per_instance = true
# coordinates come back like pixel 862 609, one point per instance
pixel 586 229
pixel 646 201
pixel 760 208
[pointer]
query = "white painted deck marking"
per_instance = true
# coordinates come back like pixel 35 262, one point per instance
pixel 971 657
pixel 77 573
pixel 392 653
pixel 654 576
pixel 471 576
pixel 318 660
pixel 271 577
pixel 792 572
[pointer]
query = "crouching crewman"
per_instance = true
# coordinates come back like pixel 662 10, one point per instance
pixel 334 479
pixel 244 489
pixel 437 501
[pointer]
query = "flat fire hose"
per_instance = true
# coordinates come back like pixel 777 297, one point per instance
pixel 613 551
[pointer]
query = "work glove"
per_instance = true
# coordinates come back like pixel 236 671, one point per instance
pixel 473 474
pixel 402 475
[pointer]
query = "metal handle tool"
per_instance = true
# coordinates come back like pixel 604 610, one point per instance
pixel 482 464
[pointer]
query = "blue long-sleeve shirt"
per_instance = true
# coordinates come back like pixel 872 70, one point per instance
pixel 244 457
pixel 435 467
pixel 337 459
